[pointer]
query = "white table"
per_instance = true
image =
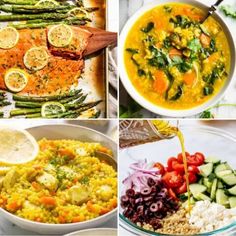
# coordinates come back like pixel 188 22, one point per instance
pixel 129 7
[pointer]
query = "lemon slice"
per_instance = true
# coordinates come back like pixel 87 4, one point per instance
pixel 15 79
pixel 36 58
pixel 78 12
pixel 60 35
pixel 4 170
pixel 47 3
pixel 16 146
pixel 9 37
pixel 52 108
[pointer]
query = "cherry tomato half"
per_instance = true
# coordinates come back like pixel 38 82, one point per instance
pixel 181 189
pixel 173 179
pixel 180 157
pixel 196 160
pixel 192 178
pixel 178 167
pixel 161 168
pixel 193 169
pixel 169 163
pixel 172 193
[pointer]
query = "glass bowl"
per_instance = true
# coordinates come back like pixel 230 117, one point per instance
pixel 210 141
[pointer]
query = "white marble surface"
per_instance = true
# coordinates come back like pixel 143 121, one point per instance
pixel 104 126
pixel 129 7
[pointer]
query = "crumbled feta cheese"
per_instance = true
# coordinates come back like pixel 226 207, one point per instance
pixel 211 216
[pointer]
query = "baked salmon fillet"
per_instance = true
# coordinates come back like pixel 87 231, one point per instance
pixel 64 66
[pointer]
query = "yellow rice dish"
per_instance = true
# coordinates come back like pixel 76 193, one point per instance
pixel 66 183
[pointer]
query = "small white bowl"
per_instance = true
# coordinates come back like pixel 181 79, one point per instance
pixel 143 101
pixel 64 132
pixel 95 232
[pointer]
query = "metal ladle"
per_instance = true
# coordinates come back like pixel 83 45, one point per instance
pixel 102 156
pixel 212 9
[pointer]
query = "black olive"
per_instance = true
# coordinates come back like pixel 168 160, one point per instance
pixel 154 207
pixel 130 192
pixel 146 191
pixel 151 182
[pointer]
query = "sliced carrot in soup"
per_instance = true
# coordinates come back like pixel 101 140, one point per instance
pixel 161 82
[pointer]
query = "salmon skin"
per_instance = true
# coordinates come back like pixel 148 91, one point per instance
pixel 58 75
pixel 77 45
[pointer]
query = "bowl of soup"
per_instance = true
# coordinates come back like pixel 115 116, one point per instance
pixel 173 64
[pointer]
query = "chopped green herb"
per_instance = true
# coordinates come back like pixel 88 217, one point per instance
pixel 168 9
pixel 178 93
pixel 148 28
pixel 132 111
pixel 194 45
pixel 207 90
pixel 132 50
pixel 229 11
pixel 206 115
pixel 85 180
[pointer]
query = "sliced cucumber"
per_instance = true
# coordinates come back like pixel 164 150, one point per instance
pixel 232 191
pixel 221 167
pixel 200 181
pixel 213 189
pixel 221 198
pixel 206 169
pixel 212 160
pixel 201 196
pixel 220 185
pixel 229 179
pixel 232 202
pixel 208 184
pixel 195 189
pixel 222 173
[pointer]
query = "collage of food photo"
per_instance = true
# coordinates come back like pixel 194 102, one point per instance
pixel 118 117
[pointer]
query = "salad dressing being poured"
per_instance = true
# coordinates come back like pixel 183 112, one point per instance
pixel 167 130
pixel 136 132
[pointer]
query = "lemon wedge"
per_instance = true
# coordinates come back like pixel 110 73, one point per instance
pixel 16 146
pixel 15 79
pixel 9 37
pixel 36 58
pixel 60 35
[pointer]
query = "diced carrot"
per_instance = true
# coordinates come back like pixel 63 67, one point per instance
pixel 114 203
pixel 66 152
pixel 37 167
pixel 38 219
pixel 13 206
pixel 189 77
pixel 48 201
pixel 90 207
pixel 61 219
pixel 104 210
pixel 36 186
pixel 161 83
pixel 174 52
pixel 104 149
pixel 75 219
pixel 205 40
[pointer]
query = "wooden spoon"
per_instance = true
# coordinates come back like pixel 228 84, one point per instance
pixel 99 40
